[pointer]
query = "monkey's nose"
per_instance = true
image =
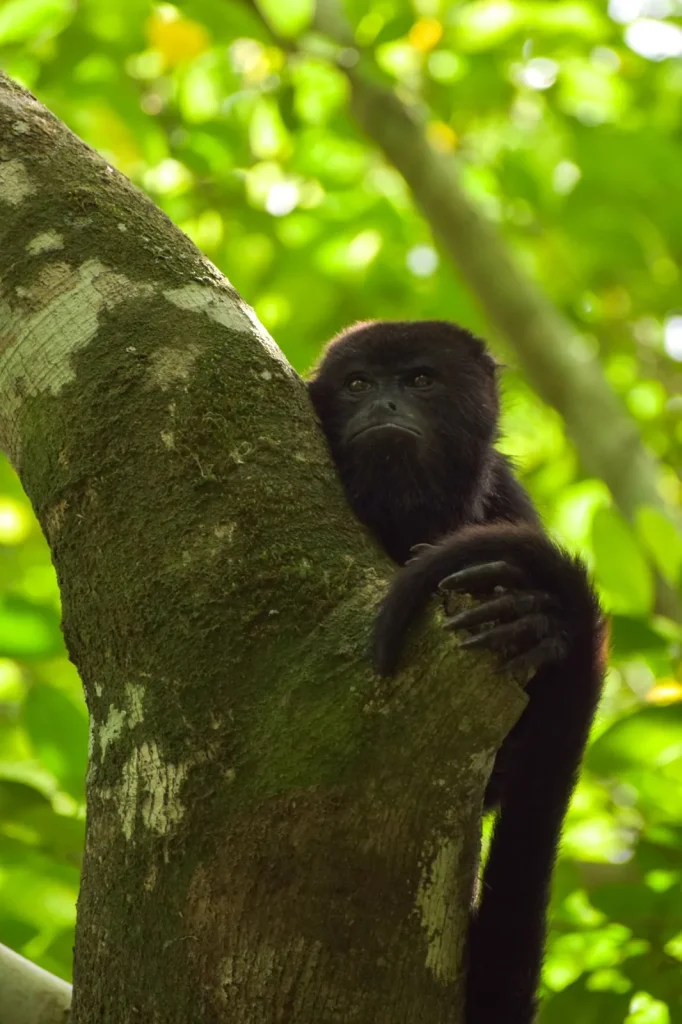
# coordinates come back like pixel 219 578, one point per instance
pixel 385 405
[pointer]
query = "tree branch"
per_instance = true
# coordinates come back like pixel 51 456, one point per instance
pixel 554 357
pixel 30 995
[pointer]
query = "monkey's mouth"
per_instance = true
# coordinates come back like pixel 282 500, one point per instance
pixel 388 428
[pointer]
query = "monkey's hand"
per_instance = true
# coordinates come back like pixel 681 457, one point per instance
pixel 537 603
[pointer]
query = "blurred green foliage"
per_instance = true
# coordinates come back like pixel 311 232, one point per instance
pixel 567 121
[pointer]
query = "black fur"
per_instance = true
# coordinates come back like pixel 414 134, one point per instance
pixel 413 443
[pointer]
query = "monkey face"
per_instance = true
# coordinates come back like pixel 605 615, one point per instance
pixel 380 408
pixel 409 411
pixel 418 391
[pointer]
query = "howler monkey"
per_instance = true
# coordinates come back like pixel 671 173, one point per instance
pixel 410 411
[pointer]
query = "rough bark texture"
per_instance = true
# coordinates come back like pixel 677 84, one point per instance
pixel 273 834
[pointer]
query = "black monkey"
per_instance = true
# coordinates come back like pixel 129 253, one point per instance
pixel 410 411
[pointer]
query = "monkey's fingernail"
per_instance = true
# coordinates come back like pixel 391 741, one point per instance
pixel 456 621
pixel 480 640
pixel 485 572
pixel 471 617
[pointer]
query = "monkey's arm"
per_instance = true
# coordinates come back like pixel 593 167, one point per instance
pixel 539 613
pixel 539 602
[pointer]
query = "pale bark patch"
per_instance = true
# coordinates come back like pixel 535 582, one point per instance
pixel 15 183
pixel 151 877
pixel 151 785
pixel 134 694
pixel 225 531
pixel 173 363
pixel 46 241
pixel 225 309
pixel 65 304
pixel 131 715
pixel 111 729
pixel 438 910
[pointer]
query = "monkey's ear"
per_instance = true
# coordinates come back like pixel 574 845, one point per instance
pixel 493 365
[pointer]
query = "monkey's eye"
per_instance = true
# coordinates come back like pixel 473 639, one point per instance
pixel 358 384
pixel 419 380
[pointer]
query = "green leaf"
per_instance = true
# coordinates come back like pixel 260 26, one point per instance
pixel 644 1009
pixel 482 26
pixel 594 1008
pixel 662 540
pixel 16 799
pixel 28 630
pixel 200 93
pixel 619 565
pixel 267 132
pixel 36 898
pixel 321 90
pixel 21 19
pixel 632 904
pixel 630 636
pixel 58 730
pixel 287 19
pixel 648 737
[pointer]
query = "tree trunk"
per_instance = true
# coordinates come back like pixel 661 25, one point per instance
pixel 273 834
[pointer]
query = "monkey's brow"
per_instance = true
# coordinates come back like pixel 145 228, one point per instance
pixel 388 367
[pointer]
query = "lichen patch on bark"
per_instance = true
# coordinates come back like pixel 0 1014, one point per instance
pixel 224 308
pixel 15 183
pixel 117 718
pixel 173 363
pixel 134 695
pixel 38 357
pixel 151 786
pixel 110 730
pixel 440 916
pixel 46 241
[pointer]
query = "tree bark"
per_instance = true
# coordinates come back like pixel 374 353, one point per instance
pixel 273 834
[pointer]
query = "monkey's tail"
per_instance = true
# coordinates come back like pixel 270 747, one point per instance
pixel 537 766
pixel 507 930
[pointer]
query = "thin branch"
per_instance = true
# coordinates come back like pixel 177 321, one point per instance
pixel 554 357
pixel 30 995
pixel 552 354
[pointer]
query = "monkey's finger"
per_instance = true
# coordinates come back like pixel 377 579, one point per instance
pixel 502 609
pixel 533 627
pixel 485 577
pixel 419 549
pixel 551 649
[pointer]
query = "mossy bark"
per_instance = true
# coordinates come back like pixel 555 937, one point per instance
pixel 273 834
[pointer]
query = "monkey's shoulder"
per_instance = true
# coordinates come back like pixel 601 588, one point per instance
pixel 505 497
